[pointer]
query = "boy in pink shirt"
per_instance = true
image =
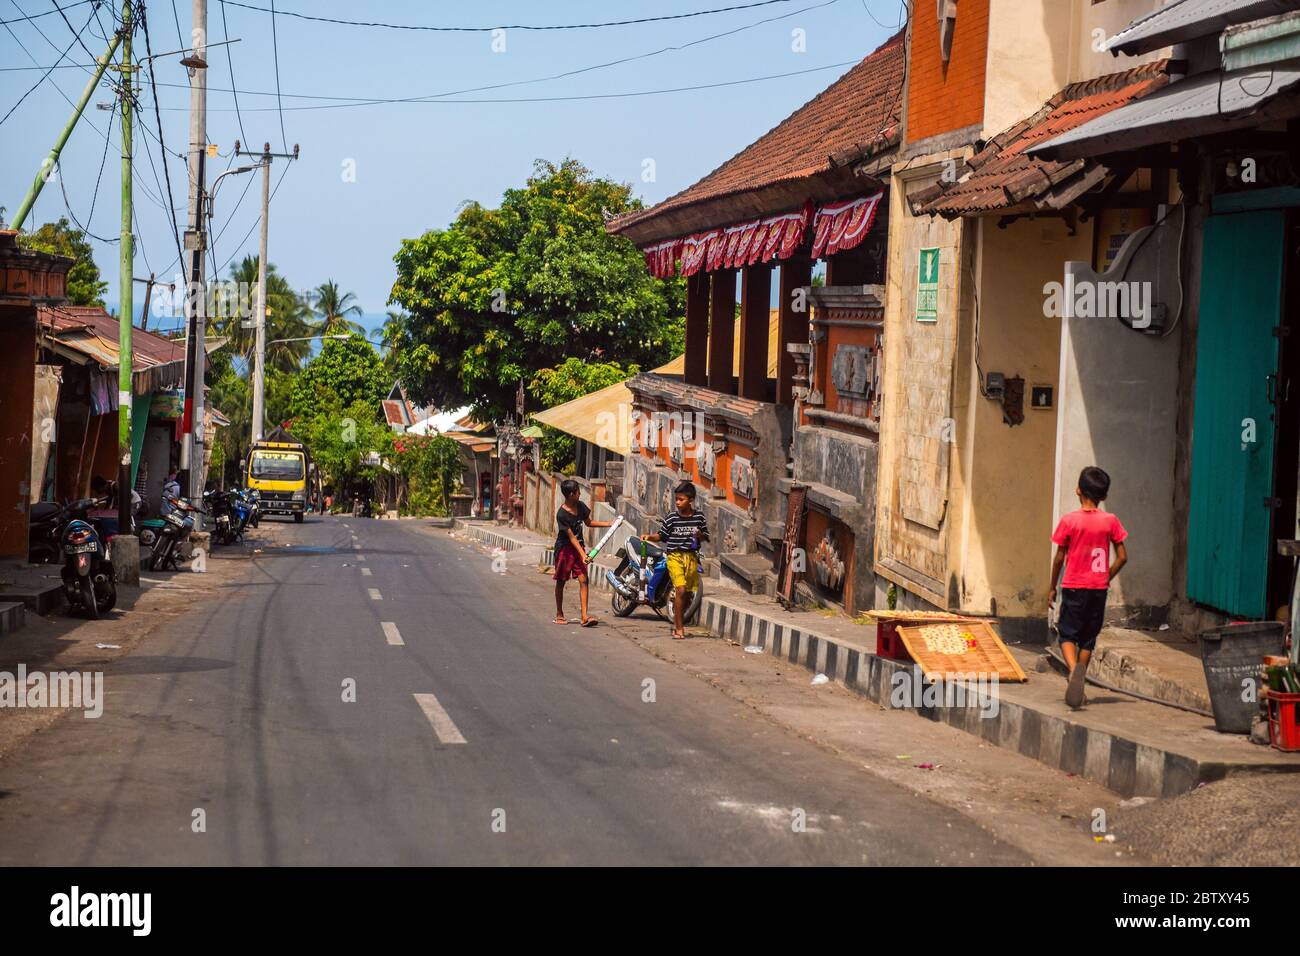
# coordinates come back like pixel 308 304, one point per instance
pixel 1083 539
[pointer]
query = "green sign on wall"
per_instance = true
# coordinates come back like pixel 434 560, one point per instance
pixel 927 286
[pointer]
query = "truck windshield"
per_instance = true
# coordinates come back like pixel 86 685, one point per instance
pixel 274 466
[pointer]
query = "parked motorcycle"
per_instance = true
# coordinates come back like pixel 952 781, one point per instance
pixel 242 510
pixel 43 523
pixel 644 581
pixel 178 523
pixel 87 575
pixel 217 505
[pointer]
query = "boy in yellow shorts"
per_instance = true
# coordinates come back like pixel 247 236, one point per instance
pixel 680 533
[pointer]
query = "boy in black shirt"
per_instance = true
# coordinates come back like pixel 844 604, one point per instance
pixel 570 554
pixel 680 533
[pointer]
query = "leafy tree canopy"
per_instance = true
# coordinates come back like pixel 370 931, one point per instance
pixel 348 368
pixel 572 379
pixel 85 287
pixel 502 293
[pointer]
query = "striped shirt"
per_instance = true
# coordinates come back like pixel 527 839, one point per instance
pixel 675 531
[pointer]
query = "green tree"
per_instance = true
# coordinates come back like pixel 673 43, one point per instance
pixel 502 293
pixel 85 287
pixel 432 467
pixel 344 441
pixel 571 379
pixel 348 368
pixel 334 307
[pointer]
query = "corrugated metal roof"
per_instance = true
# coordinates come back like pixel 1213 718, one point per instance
pixel 1207 103
pixel 92 333
pixel 1002 175
pixel 1183 20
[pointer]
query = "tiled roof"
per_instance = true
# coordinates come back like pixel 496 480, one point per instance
pixel 855 116
pixel 1001 176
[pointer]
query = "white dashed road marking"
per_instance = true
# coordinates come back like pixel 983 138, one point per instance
pixel 390 632
pixel 375 595
pixel 366 572
pixel 442 723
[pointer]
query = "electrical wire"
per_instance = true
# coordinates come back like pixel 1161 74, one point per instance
pixel 171 202
pixel 77 33
pixel 362 100
pixel 90 218
pixel 531 99
pixel 240 245
pixel 47 13
pixel 230 63
pixel 46 75
pixel 275 50
pixel 508 26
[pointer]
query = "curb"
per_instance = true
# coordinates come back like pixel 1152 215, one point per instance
pixel 13 615
pixel 1126 766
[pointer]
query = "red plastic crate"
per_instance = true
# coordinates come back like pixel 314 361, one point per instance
pixel 888 643
pixel 1284 720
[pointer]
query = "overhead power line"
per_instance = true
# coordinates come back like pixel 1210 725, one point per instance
pixel 508 26
pixel 354 101
pixel 171 202
pixel 46 75
pixel 47 13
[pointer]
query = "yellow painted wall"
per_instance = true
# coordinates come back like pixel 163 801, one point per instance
pixel 1038 47
pixel 916 465
pixel 1002 553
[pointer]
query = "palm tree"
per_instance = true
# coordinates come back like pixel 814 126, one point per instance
pixel 288 317
pixel 334 307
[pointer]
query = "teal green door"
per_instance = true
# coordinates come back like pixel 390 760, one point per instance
pixel 1232 424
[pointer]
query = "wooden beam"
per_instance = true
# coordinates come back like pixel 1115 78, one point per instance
pixel 755 310
pixel 697 329
pixel 722 329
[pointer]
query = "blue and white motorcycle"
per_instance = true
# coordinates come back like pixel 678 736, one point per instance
pixel 642 580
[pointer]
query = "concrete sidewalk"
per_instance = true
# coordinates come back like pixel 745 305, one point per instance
pixel 1129 746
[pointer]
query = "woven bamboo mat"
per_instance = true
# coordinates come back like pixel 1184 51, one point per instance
pixel 966 647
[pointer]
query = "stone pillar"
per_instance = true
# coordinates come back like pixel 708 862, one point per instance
pixel 755 309
pixel 796 273
pixel 697 329
pixel 722 329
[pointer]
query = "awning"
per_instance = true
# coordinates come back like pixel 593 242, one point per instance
pixel 1184 20
pixel 602 417
pixel 836 227
pixel 1201 105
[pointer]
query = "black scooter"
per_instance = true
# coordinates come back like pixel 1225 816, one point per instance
pixel 88 581
pixel 178 523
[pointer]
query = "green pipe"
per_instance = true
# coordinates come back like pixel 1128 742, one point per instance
pixel 125 282
pixel 50 161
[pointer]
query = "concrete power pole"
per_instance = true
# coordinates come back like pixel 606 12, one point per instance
pixel 195 244
pixel 259 317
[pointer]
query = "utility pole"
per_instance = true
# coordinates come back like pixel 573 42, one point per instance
pixel 149 283
pixel 259 318
pixel 125 356
pixel 192 449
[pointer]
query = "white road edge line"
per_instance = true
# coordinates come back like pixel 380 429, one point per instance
pixel 375 595
pixel 390 632
pixel 442 723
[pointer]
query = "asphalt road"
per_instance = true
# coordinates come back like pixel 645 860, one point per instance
pixel 480 733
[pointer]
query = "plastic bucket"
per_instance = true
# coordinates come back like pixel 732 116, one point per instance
pixel 1232 655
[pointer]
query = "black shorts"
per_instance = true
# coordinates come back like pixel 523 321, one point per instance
pixel 1082 612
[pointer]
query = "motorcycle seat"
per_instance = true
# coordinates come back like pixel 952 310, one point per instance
pixel 43 511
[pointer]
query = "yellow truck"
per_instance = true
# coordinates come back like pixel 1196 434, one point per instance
pixel 281 473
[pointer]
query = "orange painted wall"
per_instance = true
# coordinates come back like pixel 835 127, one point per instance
pixel 945 97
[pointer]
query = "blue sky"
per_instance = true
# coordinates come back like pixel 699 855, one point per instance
pixel 414 162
